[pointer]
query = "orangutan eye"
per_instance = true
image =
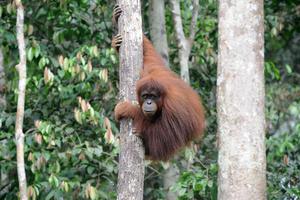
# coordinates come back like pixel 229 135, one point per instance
pixel 152 96
pixel 145 96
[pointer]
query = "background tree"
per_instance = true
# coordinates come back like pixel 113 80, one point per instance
pixel 184 43
pixel 158 28
pixel 242 162
pixel 21 67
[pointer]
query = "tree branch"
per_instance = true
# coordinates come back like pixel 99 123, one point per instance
pixel 175 6
pixel 21 67
pixel 193 24
pixel 184 44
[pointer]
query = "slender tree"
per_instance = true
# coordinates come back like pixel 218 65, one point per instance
pixel 184 43
pixel 240 101
pixel 21 67
pixel 158 28
pixel 131 159
pixel 184 46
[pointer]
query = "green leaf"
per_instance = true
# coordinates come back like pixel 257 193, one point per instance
pixel 66 64
pixel 182 191
pixel 42 63
pixel 61 73
pixel 57 167
pixel 9 121
pixel 198 186
pixel 37 51
pixel 210 183
pixel 288 68
pixel 53 180
pixel 66 186
pixel 1 11
pixel 90 170
pixel 50 195
pixel 9 8
pixel 93 192
pixel 30 54
pixel 98 151
pixel 69 130
pixel 103 61
pixel 113 59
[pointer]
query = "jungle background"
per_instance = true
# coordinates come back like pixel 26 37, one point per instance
pixel 71 143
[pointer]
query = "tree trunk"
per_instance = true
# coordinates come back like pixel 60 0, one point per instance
pixel 131 159
pixel 184 43
pixel 2 83
pixel 158 28
pixel 184 53
pixel 21 67
pixel 170 177
pixel 240 101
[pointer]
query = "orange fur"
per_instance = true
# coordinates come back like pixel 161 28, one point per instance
pixel 181 119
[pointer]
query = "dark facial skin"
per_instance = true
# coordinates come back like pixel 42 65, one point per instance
pixel 149 106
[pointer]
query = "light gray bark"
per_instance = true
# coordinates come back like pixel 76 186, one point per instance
pixel 19 135
pixel 184 43
pixel 2 83
pixel 131 159
pixel 170 177
pixel 158 28
pixel 240 101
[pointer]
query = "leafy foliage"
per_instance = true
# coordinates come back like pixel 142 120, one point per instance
pixel 200 184
pixel 70 149
pixel 282 143
pixel 282 102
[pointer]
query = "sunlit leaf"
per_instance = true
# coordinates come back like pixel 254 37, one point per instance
pixel 30 54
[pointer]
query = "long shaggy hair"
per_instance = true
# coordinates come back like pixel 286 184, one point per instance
pixel 181 117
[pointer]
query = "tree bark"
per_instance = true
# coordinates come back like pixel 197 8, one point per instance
pixel 240 101
pixel 158 28
pixel 2 83
pixel 21 67
pixel 170 177
pixel 184 43
pixel 131 159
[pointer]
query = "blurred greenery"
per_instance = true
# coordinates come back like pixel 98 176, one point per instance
pixel 71 143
